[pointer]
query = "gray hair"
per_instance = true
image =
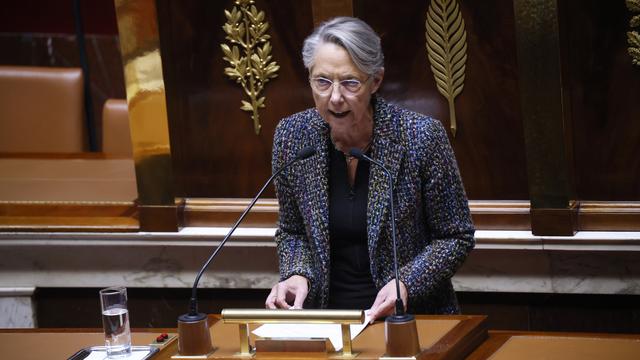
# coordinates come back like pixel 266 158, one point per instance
pixel 354 35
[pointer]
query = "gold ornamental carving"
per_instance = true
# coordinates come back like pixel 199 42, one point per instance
pixel 247 33
pixel 633 37
pixel 447 50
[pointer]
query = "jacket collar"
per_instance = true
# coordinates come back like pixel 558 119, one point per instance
pixel 386 149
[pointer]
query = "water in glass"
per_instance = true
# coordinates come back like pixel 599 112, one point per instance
pixel 116 331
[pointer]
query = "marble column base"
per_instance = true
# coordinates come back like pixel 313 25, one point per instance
pixel 17 308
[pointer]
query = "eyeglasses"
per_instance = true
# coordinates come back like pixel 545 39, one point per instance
pixel 323 86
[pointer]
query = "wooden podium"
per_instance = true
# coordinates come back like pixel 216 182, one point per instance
pixel 506 345
pixel 441 337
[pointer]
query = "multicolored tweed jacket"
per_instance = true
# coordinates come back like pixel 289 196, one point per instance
pixel 433 222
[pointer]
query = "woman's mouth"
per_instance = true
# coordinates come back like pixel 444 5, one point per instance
pixel 339 114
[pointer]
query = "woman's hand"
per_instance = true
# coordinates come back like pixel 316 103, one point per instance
pixel 385 302
pixel 293 290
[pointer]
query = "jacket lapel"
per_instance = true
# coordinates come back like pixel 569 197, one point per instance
pixel 387 150
pixel 317 173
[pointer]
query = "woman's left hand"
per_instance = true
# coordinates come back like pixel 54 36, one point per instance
pixel 385 302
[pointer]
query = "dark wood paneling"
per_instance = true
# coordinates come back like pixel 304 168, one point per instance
pixel 540 83
pixel 604 88
pixel 592 313
pixel 159 218
pixel 214 148
pixel 489 144
pixel 324 10
pixel 56 16
pixel 74 307
pixel 216 153
pixel 555 312
pixel 555 221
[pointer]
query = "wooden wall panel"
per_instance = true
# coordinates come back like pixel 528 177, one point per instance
pixel 216 153
pixel 214 148
pixel 604 99
pixel 56 17
pixel 614 313
pixel 489 144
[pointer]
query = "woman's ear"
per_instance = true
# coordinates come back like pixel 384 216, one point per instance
pixel 377 81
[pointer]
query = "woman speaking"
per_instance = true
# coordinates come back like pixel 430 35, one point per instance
pixel 334 230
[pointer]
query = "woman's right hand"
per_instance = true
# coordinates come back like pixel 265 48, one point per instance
pixel 290 291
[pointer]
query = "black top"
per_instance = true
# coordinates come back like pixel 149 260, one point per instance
pixel 351 284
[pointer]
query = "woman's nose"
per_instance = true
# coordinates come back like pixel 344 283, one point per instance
pixel 336 94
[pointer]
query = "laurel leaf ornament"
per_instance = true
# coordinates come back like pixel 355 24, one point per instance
pixel 245 29
pixel 447 50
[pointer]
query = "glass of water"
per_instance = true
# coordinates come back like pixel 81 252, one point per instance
pixel 115 320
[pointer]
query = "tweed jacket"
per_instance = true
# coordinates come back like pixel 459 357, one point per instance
pixel 433 222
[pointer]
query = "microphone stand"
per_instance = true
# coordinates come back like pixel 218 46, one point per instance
pixel 401 333
pixel 193 329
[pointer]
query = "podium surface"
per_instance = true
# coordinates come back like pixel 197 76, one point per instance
pixel 441 337
pixel 503 345
pixel 60 344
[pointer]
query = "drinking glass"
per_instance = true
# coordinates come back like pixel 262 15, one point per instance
pixel 115 320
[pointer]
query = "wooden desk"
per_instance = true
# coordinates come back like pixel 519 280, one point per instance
pixel 73 177
pixel 60 344
pixel 446 337
pixel 505 345
pixel 67 192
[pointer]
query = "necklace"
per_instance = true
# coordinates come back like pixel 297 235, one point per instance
pixel 350 157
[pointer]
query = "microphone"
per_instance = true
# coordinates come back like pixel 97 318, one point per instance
pixel 401 333
pixel 193 316
pixel 357 153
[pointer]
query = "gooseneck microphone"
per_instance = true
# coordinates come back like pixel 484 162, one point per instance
pixel 357 153
pixel 194 322
pixel 401 333
pixel 302 154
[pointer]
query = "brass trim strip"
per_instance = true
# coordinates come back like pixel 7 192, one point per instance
pixel 346 339
pixel 245 346
pixel 297 316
